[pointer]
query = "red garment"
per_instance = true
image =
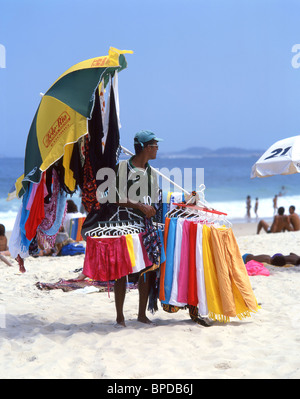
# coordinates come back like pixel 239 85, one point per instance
pixel 145 255
pixel 106 258
pixel 192 287
pixel 37 212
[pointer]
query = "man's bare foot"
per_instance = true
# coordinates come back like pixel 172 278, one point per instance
pixel 145 320
pixel 81 277
pixel 120 324
pixel 21 264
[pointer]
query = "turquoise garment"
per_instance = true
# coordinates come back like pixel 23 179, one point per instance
pixel 170 259
pixel 24 216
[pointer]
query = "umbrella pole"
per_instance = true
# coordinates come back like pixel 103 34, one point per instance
pixel 158 172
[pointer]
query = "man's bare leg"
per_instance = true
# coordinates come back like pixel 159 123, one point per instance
pixel 144 289
pixel 262 225
pixel 120 291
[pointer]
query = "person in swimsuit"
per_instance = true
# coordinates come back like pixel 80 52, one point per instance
pixel 294 218
pixel 281 222
pixel 4 251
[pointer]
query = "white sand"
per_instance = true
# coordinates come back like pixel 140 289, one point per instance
pixel 58 334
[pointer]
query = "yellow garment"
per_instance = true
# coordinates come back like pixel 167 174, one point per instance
pixel 70 182
pixel 129 242
pixel 214 302
pixel 235 288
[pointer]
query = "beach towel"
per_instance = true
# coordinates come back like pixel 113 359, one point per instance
pixel 236 292
pixel 163 264
pixel 74 284
pixel 201 291
pixel 183 277
pixel 192 280
pixel 75 228
pixel 72 249
pixel 177 255
pixel 255 268
pixel 214 302
pixel 168 275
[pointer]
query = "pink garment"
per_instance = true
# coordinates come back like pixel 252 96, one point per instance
pixel 183 276
pixel 256 269
pixel 106 258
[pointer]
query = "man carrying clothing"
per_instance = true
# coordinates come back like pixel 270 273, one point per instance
pixel 137 197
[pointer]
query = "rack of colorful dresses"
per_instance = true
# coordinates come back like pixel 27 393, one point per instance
pixel 116 249
pixel 203 266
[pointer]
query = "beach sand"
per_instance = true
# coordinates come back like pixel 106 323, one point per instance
pixel 56 334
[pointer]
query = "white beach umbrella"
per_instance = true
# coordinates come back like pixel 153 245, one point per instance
pixel 282 158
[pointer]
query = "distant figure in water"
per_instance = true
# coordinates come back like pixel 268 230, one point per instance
pixel 256 207
pixel 275 207
pixel 248 206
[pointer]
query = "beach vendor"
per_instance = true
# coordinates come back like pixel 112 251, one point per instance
pixel 133 197
pixel 137 198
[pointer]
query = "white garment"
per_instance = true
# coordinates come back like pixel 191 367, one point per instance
pixel 201 291
pixel 15 247
pixel 138 254
pixel 176 264
pixel 175 197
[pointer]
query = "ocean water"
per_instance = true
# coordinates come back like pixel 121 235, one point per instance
pixel 227 181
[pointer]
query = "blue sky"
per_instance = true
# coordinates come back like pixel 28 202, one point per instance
pixel 204 73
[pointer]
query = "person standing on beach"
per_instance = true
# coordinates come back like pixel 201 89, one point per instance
pixel 137 207
pixel 256 207
pixel 248 206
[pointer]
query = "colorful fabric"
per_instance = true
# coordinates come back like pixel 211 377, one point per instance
pixel 138 254
pixel 183 277
pixel 201 291
pixel 256 269
pixel 163 265
pixel 236 292
pixel 192 277
pixel 214 302
pixel 89 189
pixel 177 255
pixel 36 213
pixel 74 284
pixel 130 247
pixel 147 261
pixel 151 241
pixel 168 277
pixel 75 228
pixel 24 216
pixel 106 258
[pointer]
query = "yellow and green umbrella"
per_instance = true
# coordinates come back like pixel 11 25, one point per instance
pixel 62 115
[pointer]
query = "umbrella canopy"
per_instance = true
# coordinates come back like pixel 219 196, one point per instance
pixel 282 158
pixel 62 115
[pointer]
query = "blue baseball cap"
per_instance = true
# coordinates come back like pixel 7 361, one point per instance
pixel 144 136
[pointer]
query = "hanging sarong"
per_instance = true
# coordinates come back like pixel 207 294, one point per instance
pixel 214 302
pixel 236 292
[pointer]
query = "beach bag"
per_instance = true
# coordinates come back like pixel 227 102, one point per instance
pixel 72 249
